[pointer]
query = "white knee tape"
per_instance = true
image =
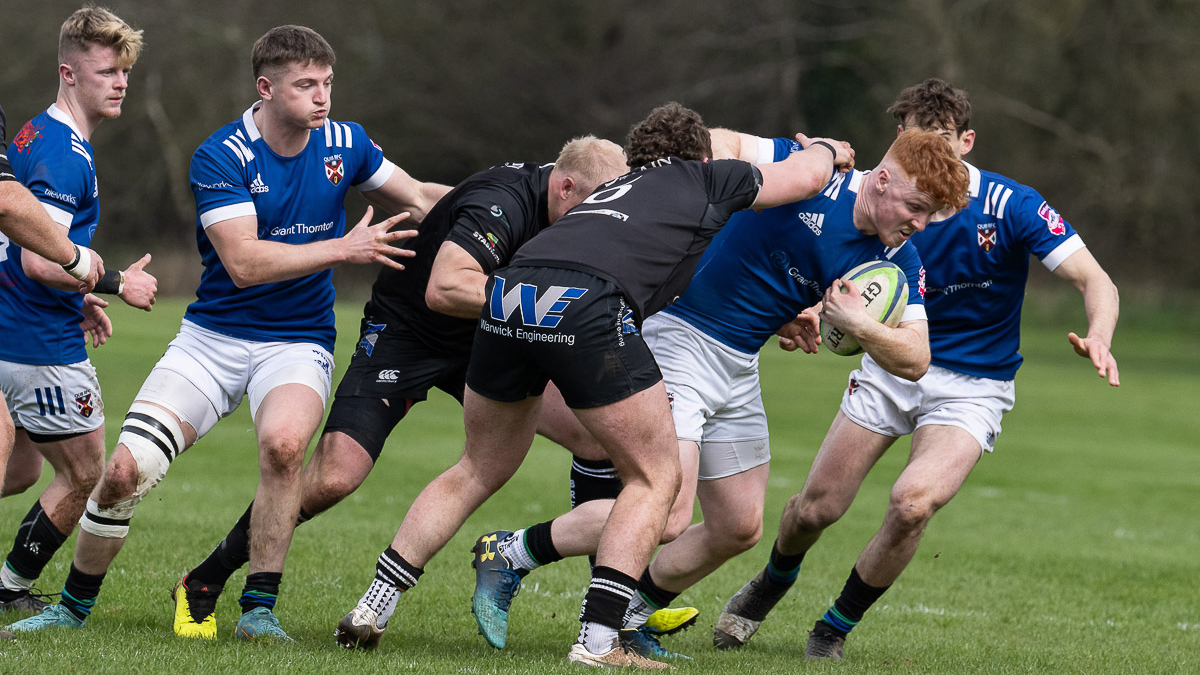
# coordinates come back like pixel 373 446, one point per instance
pixel 153 438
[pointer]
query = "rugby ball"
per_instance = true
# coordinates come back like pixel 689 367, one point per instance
pixel 885 290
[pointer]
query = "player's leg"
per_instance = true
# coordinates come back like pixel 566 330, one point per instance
pixel 498 436
pixel 6 445
pixel 24 464
pixel 593 476
pixel 78 461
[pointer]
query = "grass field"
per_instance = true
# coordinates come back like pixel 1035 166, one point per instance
pixel 1072 549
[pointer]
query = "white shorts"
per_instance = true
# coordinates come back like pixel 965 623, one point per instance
pixel 52 400
pixel 715 396
pixel 204 375
pixel 892 406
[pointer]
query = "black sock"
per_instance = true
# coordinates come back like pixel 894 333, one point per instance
pixel 36 543
pixel 856 598
pixel 80 591
pixel 228 557
pixel 783 569
pixel 592 480
pixel 540 544
pixel 391 568
pixel 655 596
pixel 607 597
pixel 262 590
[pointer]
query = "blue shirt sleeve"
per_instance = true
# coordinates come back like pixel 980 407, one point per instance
pixel 218 182
pixel 1035 223
pixel 369 158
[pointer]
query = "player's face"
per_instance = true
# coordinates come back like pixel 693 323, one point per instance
pixel 303 94
pixel 902 210
pixel 100 80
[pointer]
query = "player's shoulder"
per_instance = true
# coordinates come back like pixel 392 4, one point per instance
pixel 337 136
pixel 230 143
pixel 52 141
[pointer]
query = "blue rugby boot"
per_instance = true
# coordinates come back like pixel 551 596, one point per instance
pixel 496 584
pixel 54 615
pixel 258 623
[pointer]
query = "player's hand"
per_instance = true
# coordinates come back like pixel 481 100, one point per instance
pixel 94 274
pixel 1101 357
pixel 140 285
pixel 844 160
pixel 368 243
pixel 95 322
pixel 801 333
pixel 845 308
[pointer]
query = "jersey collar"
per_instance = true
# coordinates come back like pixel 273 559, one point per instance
pixel 57 113
pixel 248 122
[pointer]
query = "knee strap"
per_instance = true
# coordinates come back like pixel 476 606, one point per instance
pixel 153 438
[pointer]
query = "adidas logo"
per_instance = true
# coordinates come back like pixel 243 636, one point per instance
pixel 257 185
pixel 813 221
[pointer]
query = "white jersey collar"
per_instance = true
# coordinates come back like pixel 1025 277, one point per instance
pixel 248 121
pixel 58 114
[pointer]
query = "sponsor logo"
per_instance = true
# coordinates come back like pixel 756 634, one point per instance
pixel 544 311
pixel 921 282
pixel 627 324
pixel 496 211
pixel 370 337
pixel 781 259
pixel 514 165
pixel 334 170
pixel 26 136
pixel 954 288
pixel 1053 220
pixel 83 404
pixel 60 196
pixel 323 362
pixel 257 186
pixel 606 212
pixel 490 241
pixel 387 376
pixel 301 228
pixel 526 335
pixel 987 236
pixel 814 221
pixel 214 186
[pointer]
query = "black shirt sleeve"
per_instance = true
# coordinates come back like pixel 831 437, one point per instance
pixel 491 224
pixel 6 172
pixel 732 185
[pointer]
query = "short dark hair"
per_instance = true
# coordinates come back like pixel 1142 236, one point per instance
pixel 285 45
pixel 933 104
pixel 670 130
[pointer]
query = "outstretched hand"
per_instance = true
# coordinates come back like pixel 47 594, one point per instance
pixel 1101 357
pixel 96 323
pixel 367 243
pixel 140 285
pixel 802 332
pixel 844 157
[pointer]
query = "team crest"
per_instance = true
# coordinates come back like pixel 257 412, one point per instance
pixel 334 171
pixel 83 404
pixel 1053 220
pixel 26 136
pixel 987 236
pixel 853 386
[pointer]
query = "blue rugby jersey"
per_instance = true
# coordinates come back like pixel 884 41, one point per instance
pixel 764 267
pixel 977 263
pixel 50 156
pixel 297 200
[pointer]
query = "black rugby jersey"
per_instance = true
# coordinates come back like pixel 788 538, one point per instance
pixel 6 172
pixel 490 215
pixel 646 230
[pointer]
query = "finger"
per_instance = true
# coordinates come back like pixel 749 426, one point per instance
pixel 391 222
pixel 803 140
pixel 1114 378
pixel 389 262
pixel 399 234
pixel 787 344
pixel 140 264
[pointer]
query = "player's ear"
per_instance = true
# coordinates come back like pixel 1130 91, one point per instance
pixel 899 130
pixel 568 187
pixel 264 87
pixel 968 141
pixel 66 72
pixel 885 176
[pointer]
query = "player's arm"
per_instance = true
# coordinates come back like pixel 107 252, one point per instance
pixel 729 144
pixel 802 332
pixel 251 261
pixel 134 285
pixel 1102 304
pixel 803 174
pixel 456 282
pixel 403 193
pixel 24 220
pixel 902 351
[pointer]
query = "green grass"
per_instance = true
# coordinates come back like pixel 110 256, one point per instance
pixel 1071 549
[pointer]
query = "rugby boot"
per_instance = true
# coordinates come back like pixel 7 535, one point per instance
pixel 54 615
pixel 359 629
pixel 496 584
pixel 195 610
pixel 746 610
pixel 260 623
pixel 671 621
pixel 642 641
pixel 27 603
pixel 824 642
pixel 617 657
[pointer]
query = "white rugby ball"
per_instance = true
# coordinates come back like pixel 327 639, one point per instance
pixel 885 290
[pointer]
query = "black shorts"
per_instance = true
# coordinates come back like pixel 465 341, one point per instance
pixel 583 338
pixel 390 372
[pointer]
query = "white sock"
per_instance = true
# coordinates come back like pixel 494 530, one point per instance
pixel 382 598
pixel 597 638
pixel 638 612
pixel 13 581
pixel 513 549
